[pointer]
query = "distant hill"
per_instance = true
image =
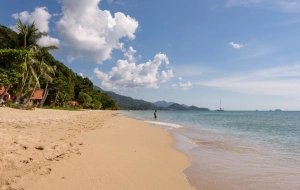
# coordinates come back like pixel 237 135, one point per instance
pixel 163 104
pixel 196 108
pixel 176 106
pixel 128 103
pixel 98 88
pixel 183 107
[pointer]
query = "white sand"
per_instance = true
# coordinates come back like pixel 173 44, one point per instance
pixel 51 149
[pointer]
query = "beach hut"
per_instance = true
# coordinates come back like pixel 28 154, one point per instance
pixel 74 103
pixel 36 98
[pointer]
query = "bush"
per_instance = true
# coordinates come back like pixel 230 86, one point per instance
pixel 85 99
pixel 97 104
pixel 8 104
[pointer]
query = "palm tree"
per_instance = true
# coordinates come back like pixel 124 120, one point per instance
pixel 42 70
pixel 27 39
pixel 28 35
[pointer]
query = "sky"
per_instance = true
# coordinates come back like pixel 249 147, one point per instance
pixel 194 52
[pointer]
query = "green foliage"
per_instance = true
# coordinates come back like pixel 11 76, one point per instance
pixel 28 35
pixel 108 102
pixel 12 60
pixel 11 67
pixel 14 55
pixel 99 100
pixel 15 106
pixel 24 65
pixel 8 76
pixel 8 38
pixel 97 105
pixel 8 104
pixel 83 85
pixel 62 73
pixel 84 98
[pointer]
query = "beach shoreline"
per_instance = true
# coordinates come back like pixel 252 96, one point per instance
pixel 235 149
pixel 54 149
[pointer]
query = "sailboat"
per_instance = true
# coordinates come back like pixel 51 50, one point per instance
pixel 221 109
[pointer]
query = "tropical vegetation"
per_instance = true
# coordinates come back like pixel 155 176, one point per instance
pixel 26 67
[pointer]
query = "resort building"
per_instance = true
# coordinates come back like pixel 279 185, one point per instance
pixel 36 98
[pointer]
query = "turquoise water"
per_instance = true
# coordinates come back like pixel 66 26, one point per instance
pixel 236 149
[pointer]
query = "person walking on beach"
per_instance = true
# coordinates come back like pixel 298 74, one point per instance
pixel 155 116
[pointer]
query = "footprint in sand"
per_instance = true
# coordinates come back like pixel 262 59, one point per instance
pixel 26 161
pixel 45 171
pixel 39 147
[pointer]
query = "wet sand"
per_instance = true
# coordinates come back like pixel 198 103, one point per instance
pixel 53 149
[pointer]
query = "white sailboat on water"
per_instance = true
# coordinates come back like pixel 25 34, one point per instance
pixel 221 109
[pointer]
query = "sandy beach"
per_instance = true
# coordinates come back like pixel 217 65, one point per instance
pixel 53 149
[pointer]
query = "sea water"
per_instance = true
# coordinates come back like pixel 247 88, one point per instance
pixel 235 149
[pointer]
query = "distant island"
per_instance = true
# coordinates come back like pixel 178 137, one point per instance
pixel 128 103
pixel 176 106
pixel 277 110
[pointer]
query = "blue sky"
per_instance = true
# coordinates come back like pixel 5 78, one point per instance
pixel 195 52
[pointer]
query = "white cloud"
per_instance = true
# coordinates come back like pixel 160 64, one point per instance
pixel 80 74
pixel 279 81
pixel 281 5
pixel 120 3
pixel 185 86
pixel 235 46
pixel 190 70
pixel 47 41
pixel 91 32
pixel 182 86
pixel 131 75
pixel 130 54
pixel 41 18
pixel 109 1
pixel 179 78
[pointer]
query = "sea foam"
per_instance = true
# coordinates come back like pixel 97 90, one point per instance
pixel 165 124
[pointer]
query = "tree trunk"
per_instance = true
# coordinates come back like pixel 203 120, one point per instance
pixel 32 93
pixel 45 94
pixel 56 96
pixel 20 87
pixel 43 100
pixel 6 90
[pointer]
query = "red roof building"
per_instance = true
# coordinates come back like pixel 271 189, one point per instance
pixel 74 103
pixel 38 95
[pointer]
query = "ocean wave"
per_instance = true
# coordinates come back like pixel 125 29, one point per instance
pixel 165 124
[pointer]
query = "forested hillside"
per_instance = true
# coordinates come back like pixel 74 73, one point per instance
pixel 128 103
pixel 26 67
